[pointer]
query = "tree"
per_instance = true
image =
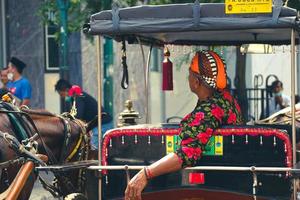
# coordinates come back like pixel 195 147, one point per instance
pixel 80 10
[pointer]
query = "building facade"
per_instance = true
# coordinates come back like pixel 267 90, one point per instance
pixel 24 36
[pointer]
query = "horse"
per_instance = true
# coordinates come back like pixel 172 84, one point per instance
pixel 61 137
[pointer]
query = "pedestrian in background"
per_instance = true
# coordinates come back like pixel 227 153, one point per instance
pixel 18 85
pixel 4 81
pixel 87 108
pixel 278 100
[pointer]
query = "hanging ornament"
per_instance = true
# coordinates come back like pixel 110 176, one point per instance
pixel 285 148
pixel 162 139
pixel 135 139
pixel 74 91
pixel 261 140
pixel 149 140
pixel 123 140
pixel 106 179
pixel 246 139
pixel 167 71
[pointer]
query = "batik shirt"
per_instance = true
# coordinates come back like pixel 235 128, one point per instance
pixel 197 127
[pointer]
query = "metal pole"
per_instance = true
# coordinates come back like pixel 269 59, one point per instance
pixel 298 68
pixel 204 168
pixel 145 79
pixel 98 47
pixel 3 17
pixel 107 76
pixel 293 72
pixel 63 7
pixel 147 84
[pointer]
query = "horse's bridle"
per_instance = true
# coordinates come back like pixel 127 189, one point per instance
pixel 81 145
pixel 15 110
pixel 81 148
pixel 83 139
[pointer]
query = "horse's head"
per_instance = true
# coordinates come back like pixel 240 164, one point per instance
pixel 62 138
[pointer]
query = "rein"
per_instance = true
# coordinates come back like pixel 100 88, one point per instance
pixel 81 148
pixel 29 131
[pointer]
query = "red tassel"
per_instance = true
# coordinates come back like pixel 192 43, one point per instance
pixel 167 72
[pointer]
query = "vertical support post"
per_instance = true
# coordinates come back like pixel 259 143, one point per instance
pixel 107 77
pixel 3 33
pixel 148 119
pixel 298 67
pixel 98 46
pixel 107 62
pixel 63 11
pixel 293 79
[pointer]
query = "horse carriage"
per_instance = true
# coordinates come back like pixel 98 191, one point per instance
pixel 28 139
pixel 240 162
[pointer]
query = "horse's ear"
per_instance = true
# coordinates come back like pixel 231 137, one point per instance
pixel 92 124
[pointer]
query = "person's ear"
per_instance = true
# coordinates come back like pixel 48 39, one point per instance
pixel 197 82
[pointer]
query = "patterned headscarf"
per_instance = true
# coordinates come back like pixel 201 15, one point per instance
pixel 211 68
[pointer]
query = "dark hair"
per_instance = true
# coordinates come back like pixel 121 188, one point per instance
pixel 19 65
pixel 62 84
pixel 275 83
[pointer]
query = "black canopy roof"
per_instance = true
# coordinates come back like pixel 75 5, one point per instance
pixel 196 23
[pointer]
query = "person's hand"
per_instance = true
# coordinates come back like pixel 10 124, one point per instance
pixel 135 186
pixel 279 100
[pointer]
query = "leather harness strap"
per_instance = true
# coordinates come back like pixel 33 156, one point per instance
pixel 81 137
pixel 67 135
pixel 124 82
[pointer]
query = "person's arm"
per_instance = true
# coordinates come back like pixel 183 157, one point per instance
pixel 196 129
pixel 25 102
pixel 26 93
pixel 169 163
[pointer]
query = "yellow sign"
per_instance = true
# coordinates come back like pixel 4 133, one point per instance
pixel 170 144
pixel 219 145
pixel 248 6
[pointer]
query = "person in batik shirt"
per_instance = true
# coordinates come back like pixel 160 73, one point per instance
pixel 215 107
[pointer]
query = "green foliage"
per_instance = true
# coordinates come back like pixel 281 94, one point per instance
pixel 80 10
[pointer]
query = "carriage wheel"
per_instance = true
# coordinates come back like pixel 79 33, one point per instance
pixel 75 196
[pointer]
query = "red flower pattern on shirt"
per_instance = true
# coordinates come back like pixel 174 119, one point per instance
pixel 187 117
pixel 197 127
pixel 198 117
pixel 237 106
pixel 187 141
pixel 192 152
pixel 227 96
pixel 217 112
pixel 204 137
pixel 231 118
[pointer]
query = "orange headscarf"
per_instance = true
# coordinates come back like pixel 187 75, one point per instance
pixel 211 68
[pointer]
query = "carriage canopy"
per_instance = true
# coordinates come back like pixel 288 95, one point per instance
pixel 196 23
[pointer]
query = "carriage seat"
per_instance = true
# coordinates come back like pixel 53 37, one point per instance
pixel 230 146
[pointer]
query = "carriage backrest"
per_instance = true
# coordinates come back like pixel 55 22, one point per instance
pixel 230 146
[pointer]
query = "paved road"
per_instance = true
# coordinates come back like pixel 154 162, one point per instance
pixel 39 193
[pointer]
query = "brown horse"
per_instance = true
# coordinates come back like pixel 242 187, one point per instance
pixel 61 138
